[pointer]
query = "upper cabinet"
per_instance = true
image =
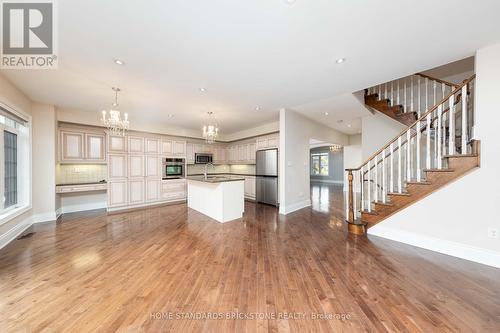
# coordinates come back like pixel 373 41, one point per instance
pixel 117 144
pixel 80 146
pixel 135 145
pixel 268 142
pixel 173 148
pixel 190 153
pixel 152 146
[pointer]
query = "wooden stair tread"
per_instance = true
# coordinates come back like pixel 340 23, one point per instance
pixel 369 213
pixel 439 170
pixel 383 203
pixel 404 194
pixel 460 155
pixel 414 182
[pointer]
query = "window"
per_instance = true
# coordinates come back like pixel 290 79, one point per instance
pixel 10 169
pixel 15 165
pixel 319 164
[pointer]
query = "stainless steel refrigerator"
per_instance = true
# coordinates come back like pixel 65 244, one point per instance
pixel 267 176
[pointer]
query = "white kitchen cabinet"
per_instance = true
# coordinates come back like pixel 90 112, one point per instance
pixel 135 145
pixel 153 164
pixel 117 144
pixel 242 153
pixel 220 155
pixel 135 166
pixel 152 146
pixel 167 147
pixel 173 189
pixel 95 147
pixel 71 146
pixel 268 142
pixel 250 187
pixel 117 193
pixel 153 190
pixel 117 166
pixel 251 153
pixel 190 153
pixel 136 191
pixel 180 148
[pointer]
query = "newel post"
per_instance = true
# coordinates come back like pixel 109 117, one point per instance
pixel 350 197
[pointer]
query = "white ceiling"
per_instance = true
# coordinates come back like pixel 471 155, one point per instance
pixel 248 53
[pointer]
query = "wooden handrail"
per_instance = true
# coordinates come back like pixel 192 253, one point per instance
pixel 438 80
pixel 457 90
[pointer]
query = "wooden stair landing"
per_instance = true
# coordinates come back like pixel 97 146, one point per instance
pixel 458 166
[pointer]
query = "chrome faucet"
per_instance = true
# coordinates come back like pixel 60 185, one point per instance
pixel 206 169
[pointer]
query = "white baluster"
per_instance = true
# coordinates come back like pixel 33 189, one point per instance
pixel 354 203
pixel 408 155
pixel 418 150
pixel 379 92
pixel 419 97
pixel 346 192
pixel 362 189
pixel 392 93
pixel 411 94
pixel 428 143
pixel 385 94
pixel 375 183
pixel 439 157
pixel 391 173
pixel 400 176
pixel 426 94
pixel 404 102
pixel 464 120
pixel 384 182
pixel 443 88
pixel 369 191
pixel 451 140
pixel 435 93
pixel 398 94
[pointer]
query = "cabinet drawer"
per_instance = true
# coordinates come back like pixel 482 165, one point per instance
pixel 173 195
pixel 173 187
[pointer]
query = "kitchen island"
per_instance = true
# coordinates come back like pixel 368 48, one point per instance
pixel 219 197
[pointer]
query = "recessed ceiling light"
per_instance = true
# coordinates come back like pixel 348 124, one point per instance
pixel 203 89
pixel 119 62
pixel 326 113
pixel 340 60
pixel 257 108
pixel 170 115
pixel 349 125
pixel 289 2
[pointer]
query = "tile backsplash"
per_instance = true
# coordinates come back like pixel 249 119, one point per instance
pixel 80 173
pixel 239 169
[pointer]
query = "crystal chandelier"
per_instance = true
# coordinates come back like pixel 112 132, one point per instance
pixel 335 148
pixel 115 123
pixel 211 130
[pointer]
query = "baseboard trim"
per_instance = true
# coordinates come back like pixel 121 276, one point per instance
pixel 327 181
pixel 83 207
pixel 14 232
pixel 294 207
pixel 459 250
pixel 44 217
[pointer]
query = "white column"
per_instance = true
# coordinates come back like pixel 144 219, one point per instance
pixel 400 176
pixel 464 120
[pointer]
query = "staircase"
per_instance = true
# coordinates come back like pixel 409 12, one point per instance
pixel 434 150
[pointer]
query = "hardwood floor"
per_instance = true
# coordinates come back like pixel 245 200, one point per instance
pixel 91 272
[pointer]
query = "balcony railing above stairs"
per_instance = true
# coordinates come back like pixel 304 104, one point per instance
pixel 415 93
pixel 443 129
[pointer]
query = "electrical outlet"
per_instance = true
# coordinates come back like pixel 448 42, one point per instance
pixel 493 233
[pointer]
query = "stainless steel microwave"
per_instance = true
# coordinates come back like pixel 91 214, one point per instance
pixel 203 158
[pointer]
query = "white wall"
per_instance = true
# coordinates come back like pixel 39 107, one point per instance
pixel 295 132
pixel 455 219
pixel 377 130
pixel 353 157
pixel 44 158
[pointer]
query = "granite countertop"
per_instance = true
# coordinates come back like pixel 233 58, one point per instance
pixel 215 179
pixel 88 183
pixel 221 173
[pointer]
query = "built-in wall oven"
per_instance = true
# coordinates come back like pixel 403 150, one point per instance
pixel 173 168
pixel 203 158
